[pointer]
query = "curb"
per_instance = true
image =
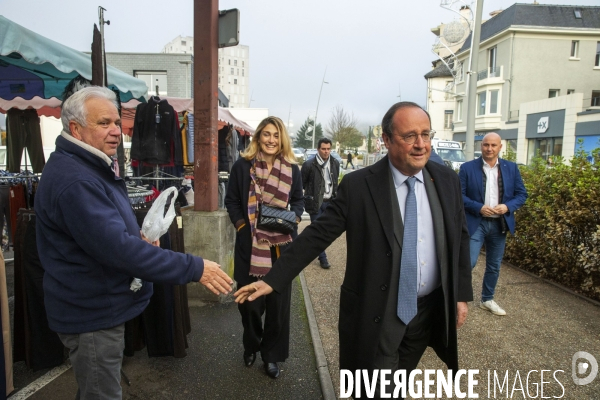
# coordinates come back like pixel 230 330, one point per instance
pixel 322 368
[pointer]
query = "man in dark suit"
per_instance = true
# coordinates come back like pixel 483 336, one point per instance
pixel 492 191
pixel 370 207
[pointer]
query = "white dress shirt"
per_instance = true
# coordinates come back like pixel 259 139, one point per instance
pixel 428 275
pixel 491 186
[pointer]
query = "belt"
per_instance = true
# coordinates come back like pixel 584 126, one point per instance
pixel 429 298
pixel 326 200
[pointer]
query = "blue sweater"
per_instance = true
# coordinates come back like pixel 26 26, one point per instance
pixel 89 245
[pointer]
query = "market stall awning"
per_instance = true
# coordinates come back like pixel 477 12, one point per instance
pixel 33 65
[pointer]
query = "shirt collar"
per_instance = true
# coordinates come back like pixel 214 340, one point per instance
pixel 486 165
pixel 87 147
pixel 399 177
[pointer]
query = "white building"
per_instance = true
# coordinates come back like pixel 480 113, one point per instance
pixel 234 69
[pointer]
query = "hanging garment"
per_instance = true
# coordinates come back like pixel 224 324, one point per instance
pixel 5 211
pixel 184 143
pixel 223 164
pixel 6 361
pixel 165 323
pixel 17 200
pixel 155 133
pixel 34 342
pixel 190 137
pixel 23 131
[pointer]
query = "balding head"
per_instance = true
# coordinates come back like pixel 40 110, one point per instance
pixel 490 148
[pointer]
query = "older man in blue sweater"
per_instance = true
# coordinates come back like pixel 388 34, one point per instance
pixel 90 246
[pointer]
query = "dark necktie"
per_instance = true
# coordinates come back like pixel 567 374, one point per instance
pixel 407 286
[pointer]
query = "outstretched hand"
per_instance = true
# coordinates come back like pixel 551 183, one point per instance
pixel 252 291
pixel 215 279
pixel 462 309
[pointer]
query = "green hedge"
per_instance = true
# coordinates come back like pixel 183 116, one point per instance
pixel 558 229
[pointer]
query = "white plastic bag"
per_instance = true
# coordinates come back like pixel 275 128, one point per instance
pixel 155 225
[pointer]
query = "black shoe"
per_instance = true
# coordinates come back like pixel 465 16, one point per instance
pixel 272 369
pixel 249 359
pixel 325 264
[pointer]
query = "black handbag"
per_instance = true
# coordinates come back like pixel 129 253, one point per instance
pixel 275 219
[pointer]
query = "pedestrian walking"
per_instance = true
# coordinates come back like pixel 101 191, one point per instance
pixel 349 160
pixel 492 191
pixel 408 278
pixel 266 174
pixel 320 181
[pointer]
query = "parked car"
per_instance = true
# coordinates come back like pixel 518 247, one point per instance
pixel 299 153
pixel 335 155
pixel 310 153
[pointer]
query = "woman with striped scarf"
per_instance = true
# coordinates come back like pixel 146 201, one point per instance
pixel 266 173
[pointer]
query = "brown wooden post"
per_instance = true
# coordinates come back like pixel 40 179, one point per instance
pixel 206 37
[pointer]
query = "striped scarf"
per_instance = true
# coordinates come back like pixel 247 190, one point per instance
pixel 273 189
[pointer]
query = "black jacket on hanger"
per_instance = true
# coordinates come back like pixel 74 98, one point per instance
pixel 156 139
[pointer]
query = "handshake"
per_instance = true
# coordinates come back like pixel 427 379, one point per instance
pixel 219 282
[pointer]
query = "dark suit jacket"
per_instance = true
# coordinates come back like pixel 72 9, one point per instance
pixel 473 192
pixel 363 208
pixel 236 201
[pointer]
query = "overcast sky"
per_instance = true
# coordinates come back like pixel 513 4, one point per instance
pixel 373 50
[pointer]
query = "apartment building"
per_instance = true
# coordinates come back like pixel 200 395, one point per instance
pixel 233 65
pixel 538 79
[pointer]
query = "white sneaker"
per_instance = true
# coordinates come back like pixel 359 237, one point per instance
pixel 492 307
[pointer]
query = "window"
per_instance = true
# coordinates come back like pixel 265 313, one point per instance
pixel 577 14
pixel 154 80
pixel 242 63
pixel 481 103
pixel 553 93
pixel 229 61
pixel 546 147
pixel 575 49
pixel 459 105
pixel 183 42
pixel 219 61
pixel 493 101
pixel 448 117
pixel 238 71
pixel 242 72
pixel 235 62
pixel 219 79
pixel 460 76
pixel 597 63
pixel 231 71
pixel 570 91
pixel 235 81
pixel 595 98
pixel 492 59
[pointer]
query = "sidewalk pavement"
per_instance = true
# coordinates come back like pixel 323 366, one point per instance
pixel 544 327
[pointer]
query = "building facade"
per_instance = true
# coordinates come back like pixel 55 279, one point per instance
pixel 534 59
pixel 234 69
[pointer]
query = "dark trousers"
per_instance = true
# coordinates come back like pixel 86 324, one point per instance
pixel 430 309
pixel 313 217
pixel 272 339
pixel 23 130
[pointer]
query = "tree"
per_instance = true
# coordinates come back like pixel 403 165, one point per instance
pixel 342 129
pixel 304 135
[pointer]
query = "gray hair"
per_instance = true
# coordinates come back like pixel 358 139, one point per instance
pixel 73 109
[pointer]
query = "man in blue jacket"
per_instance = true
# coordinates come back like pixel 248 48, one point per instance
pixel 90 246
pixel 492 191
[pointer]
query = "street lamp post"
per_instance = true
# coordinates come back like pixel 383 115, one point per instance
pixel 317 110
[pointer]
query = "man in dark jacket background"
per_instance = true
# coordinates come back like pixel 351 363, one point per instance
pixel 90 246
pixel 320 181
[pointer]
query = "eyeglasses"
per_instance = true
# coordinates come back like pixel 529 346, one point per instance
pixel 412 137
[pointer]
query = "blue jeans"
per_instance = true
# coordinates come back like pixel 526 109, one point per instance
pixel 313 217
pixel 490 233
pixel 96 358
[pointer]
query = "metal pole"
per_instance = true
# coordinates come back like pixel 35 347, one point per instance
pixel 317 110
pixel 472 83
pixel 102 44
pixel 206 36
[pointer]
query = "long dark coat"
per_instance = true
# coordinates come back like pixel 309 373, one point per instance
pixel 362 208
